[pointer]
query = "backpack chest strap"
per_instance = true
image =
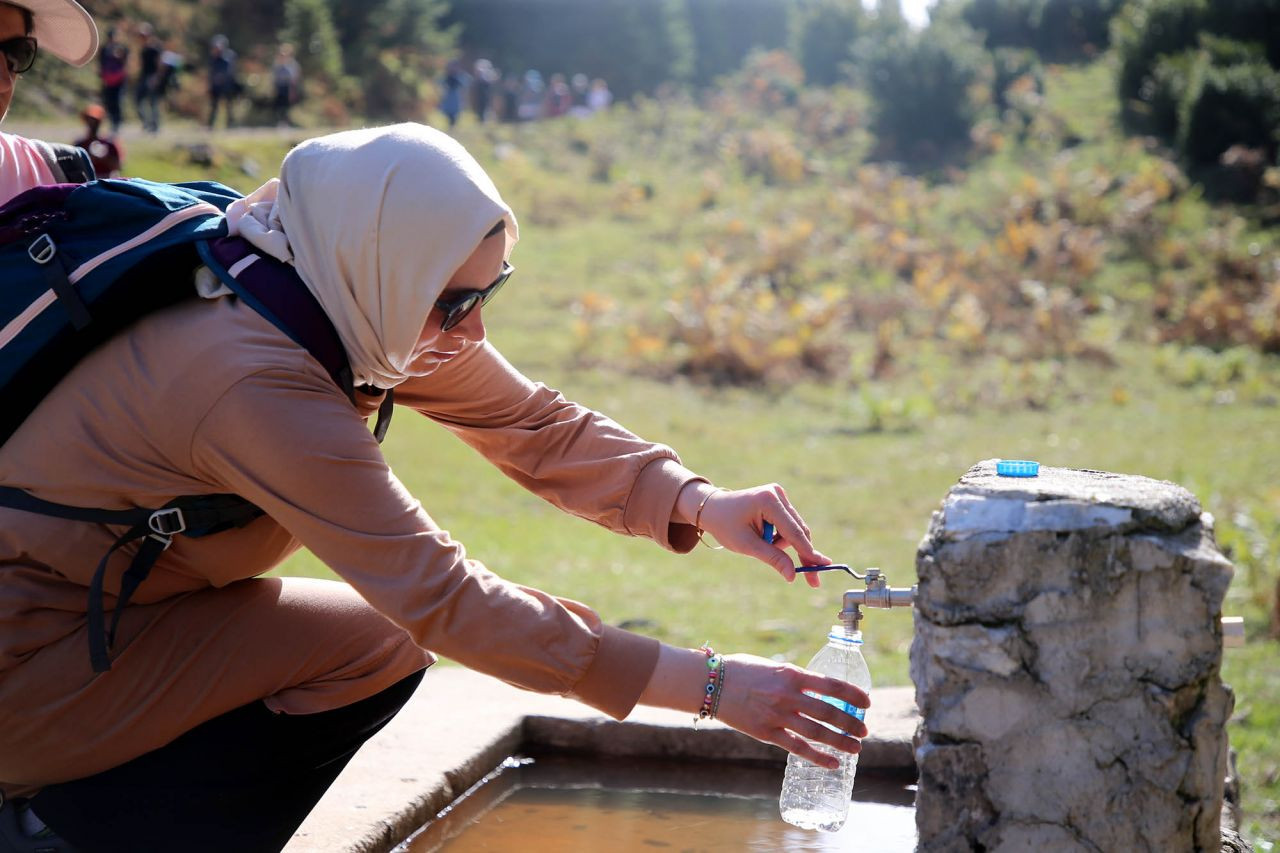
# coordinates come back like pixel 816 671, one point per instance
pixel 193 516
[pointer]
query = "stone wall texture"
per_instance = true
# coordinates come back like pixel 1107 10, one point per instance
pixel 1066 662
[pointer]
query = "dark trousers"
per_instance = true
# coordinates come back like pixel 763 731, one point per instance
pixel 111 97
pixel 147 101
pixel 227 102
pixel 240 782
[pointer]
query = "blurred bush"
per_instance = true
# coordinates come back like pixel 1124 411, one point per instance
pixel 822 36
pixel 1234 105
pixel 848 270
pixel 1014 67
pixel 308 26
pixel 1203 77
pixel 1143 33
pixel 928 89
pixel 1057 30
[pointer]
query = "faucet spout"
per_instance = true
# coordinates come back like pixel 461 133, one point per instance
pixel 878 594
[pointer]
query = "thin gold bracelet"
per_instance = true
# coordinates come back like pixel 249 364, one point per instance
pixel 697 519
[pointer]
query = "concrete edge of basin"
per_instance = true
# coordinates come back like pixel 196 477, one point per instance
pixel 460 725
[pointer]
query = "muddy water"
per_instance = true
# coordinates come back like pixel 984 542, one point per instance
pixel 557 805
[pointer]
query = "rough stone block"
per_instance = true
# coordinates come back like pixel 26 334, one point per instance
pixel 1066 662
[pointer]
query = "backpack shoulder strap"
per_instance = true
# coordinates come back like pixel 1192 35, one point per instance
pixel 276 291
pixel 79 263
pixel 69 164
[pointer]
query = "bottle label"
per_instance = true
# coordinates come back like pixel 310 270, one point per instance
pixel 859 713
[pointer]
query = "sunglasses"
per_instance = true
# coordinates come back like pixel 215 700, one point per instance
pixel 456 309
pixel 19 53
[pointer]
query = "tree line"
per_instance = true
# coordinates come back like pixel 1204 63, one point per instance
pixel 1202 75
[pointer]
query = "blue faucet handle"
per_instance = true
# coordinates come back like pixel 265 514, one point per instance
pixel 770 533
pixel 834 567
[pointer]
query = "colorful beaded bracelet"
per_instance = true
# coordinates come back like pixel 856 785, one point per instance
pixel 715 685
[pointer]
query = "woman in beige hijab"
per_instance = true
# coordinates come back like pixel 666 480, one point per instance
pixel 233 700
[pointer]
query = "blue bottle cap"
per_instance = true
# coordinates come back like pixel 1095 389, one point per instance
pixel 1017 468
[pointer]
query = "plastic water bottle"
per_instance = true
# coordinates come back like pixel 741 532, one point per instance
pixel 814 797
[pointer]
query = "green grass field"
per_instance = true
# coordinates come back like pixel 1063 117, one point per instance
pixel 610 216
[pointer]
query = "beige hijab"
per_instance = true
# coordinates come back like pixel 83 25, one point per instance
pixel 376 221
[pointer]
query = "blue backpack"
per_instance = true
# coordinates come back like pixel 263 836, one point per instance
pixel 80 263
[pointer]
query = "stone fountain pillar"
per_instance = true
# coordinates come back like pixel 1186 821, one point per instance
pixel 1066 662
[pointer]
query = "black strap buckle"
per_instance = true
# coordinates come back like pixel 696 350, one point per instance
pixel 167 522
pixel 42 250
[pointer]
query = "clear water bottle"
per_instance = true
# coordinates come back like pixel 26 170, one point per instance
pixel 814 797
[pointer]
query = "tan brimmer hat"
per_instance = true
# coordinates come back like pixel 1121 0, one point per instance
pixel 62 27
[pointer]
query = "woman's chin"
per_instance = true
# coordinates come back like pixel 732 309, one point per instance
pixel 427 362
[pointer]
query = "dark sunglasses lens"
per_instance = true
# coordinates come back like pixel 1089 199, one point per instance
pixel 496 286
pixel 458 312
pixel 20 53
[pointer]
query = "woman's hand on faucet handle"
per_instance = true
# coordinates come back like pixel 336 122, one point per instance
pixel 736 519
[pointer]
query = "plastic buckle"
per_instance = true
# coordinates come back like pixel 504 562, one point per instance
pixel 167 522
pixel 42 250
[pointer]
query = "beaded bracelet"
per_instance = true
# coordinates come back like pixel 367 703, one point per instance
pixel 714 688
pixel 715 708
pixel 697 519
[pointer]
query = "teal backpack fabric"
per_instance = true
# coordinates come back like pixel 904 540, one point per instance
pixel 81 262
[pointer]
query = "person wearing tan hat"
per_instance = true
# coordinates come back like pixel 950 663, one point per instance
pixel 28 28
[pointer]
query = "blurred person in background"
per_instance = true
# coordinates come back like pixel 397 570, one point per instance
pixel 170 66
pixel 482 86
pixel 286 81
pixel 531 96
pixel 580 86
pixel 113 72
pixel 106 152
pixel 559 98
pixel 511 90
pixel 224 86
pixel 146 90
pixel 452 87
pixel 599 98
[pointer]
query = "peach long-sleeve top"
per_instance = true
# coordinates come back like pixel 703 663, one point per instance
pixel 208 397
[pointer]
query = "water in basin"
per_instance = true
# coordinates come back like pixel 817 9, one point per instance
pixel 555 804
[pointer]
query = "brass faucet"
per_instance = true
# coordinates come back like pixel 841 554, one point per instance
pixel 877 594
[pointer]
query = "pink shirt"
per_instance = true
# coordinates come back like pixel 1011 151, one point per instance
pixel 21 167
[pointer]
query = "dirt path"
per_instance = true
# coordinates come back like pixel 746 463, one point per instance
pixel 179 132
